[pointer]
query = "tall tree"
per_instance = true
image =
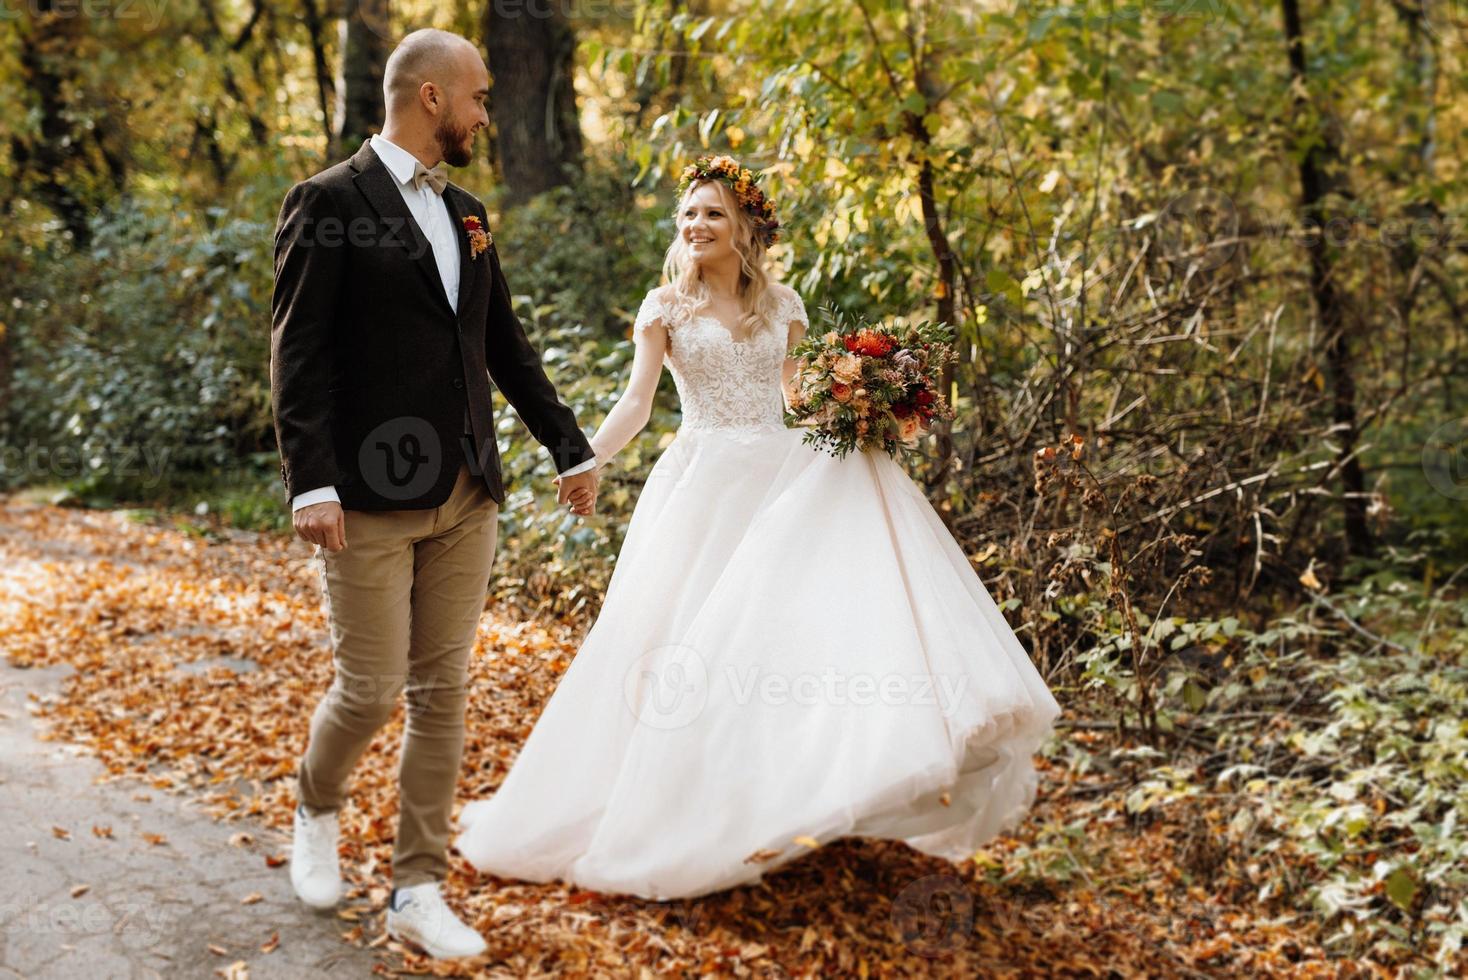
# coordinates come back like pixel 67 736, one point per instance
pixel 59 158
pixel 1319 179
pixel 325 85
pixel 364 46
pixel 537 132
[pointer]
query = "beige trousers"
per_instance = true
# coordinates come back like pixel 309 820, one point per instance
pixel 404 600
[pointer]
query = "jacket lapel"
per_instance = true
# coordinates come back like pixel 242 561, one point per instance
pixel 381 191
pixel 457 204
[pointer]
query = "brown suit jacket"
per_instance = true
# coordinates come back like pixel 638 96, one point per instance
pixel 378 387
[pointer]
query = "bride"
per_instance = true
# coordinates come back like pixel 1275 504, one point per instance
pixel 792 647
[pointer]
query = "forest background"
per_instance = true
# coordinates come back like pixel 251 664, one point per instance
pixel 1205 261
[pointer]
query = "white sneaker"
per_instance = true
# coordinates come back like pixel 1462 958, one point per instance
pixel 419 915
pixel 315 868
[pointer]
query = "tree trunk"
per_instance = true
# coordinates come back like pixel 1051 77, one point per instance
pixel 943 255
pixel 49 44
pixel 364 44
pixel 947 267
pixel 1316 184
pixel 537 132
pixel 325 88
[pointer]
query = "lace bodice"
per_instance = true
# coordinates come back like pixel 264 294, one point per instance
pixel 725 384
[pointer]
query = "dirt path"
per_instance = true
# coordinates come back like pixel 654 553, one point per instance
pixel 88 896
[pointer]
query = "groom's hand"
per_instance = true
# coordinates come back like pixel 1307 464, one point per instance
pixel 580 490
pixel 322 524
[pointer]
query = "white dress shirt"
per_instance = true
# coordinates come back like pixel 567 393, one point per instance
pixel 432 215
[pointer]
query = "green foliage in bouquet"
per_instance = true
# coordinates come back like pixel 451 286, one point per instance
pixel 869 386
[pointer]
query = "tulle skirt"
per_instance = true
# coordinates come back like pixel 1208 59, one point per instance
pixel 792 649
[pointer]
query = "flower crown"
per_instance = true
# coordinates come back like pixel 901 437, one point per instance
pixel 743 183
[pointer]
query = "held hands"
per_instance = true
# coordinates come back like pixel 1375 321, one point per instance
pixel 579 490
pixel 322 524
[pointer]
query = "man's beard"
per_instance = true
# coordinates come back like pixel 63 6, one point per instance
pixel 453 142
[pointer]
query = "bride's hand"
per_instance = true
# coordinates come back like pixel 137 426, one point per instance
pixel 581 502
pixel 582 495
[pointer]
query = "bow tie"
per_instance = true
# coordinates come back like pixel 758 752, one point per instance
pixel 434 178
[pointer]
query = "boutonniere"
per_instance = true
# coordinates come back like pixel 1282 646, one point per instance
pixel 479 239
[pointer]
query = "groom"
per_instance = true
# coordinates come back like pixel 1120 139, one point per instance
pixel 390 317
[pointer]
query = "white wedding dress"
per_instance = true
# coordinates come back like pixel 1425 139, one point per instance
pixel 791 646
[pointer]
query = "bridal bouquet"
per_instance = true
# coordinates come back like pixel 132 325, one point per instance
pixel 870 386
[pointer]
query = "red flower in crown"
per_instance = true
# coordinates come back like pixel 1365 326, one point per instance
pixel 479 239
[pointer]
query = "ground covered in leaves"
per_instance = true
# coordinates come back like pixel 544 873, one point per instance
pixel 200 653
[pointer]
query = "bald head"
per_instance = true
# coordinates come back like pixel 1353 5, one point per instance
pixel 427 55
pixel 436 86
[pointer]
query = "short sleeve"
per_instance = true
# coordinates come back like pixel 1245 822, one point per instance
pixel 792 310
pixel 651 311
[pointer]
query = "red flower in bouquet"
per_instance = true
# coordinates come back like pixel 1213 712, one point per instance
pixel 869 342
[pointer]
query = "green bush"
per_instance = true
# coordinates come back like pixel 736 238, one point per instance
pixel 140 362
pixel 1334 746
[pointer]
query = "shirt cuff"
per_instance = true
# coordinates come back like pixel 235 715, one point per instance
pixel 310 497
pixel 580 467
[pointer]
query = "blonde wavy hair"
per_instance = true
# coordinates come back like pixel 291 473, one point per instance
pixel 756 300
